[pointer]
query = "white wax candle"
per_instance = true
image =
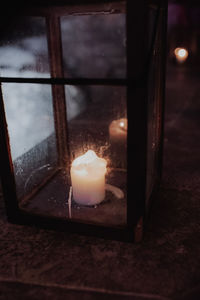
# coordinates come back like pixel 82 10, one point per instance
pixel 88 178
pixel 118 131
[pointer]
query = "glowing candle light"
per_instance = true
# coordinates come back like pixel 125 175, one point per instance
pixel 181 54
pixel 118 131
pixel 118 142
pixel 88 178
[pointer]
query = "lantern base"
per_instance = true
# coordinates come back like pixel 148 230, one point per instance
pixel 52 201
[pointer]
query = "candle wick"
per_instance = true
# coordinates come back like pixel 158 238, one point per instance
pixel 115 190
pixel 70 202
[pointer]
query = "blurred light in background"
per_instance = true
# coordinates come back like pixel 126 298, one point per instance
pixel 181 54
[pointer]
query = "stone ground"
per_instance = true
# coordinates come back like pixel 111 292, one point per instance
pixel 41 264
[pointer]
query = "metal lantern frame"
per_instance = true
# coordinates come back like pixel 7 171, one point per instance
pixel 136 82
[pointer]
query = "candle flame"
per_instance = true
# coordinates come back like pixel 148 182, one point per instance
pixel 86 158
pixel 181 53
pixel 121 124
pixel 89 163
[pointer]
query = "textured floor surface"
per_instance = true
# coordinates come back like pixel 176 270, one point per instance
pixel 41 264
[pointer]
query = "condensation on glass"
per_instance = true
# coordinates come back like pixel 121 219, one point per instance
pixel 94 46
pixel 98 129
pixel 29 114
pixel 23 50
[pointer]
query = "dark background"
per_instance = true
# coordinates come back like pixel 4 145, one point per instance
pixel 41 264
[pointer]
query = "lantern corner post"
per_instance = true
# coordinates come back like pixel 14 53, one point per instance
pixel 7 170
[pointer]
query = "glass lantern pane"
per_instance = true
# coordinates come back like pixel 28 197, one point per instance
pixel 100 125
pixel 96 121
pixel 30 120
pixel 94 46
pixel 24 51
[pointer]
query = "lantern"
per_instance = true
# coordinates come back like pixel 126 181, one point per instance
pixel 81 103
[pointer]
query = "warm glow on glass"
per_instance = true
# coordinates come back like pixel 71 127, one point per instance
pixel 118 131
pixel 181 54
pixel 89 163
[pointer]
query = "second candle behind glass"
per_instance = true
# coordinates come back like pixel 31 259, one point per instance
pixel 88 178
pixel 118 142
pixel 118 131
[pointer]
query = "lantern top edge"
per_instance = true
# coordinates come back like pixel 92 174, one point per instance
pixel 49 3
pixel 64 7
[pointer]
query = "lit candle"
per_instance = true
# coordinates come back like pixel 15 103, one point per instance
pixel 118 142
pixel 118 131
pixel 181 54
pixel 88 178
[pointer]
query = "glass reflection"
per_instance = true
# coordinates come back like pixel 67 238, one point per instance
pixel 23 51
pixel 94 45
